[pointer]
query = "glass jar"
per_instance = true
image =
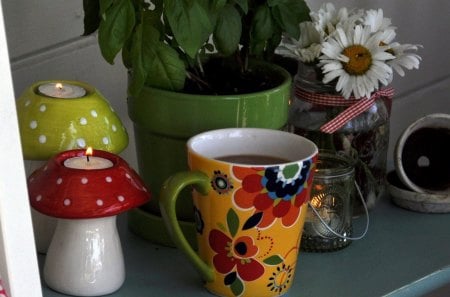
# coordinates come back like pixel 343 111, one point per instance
pixel 365 137
pixel 328 226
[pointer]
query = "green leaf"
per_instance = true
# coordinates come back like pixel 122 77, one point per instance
pixel 274 2
pixel 243 4
pixel 273 43
pixel 104 5
pixel 257 48
pixel 237 287
pixel 154 63
pixel 115 28
pixel 273 260
pixel 262 27
pixel 228 30
pixel 167 71
pixel 190 23
pixel 232 222
pixel 126 53
pixel 289 14
pixel 91 16
pixel 217 5
pixel 141 55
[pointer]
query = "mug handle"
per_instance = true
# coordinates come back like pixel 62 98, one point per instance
pixel 167 202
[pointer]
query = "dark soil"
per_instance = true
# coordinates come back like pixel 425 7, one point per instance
pixel 227 78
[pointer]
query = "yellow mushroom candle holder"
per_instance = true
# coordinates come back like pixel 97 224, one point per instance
pixel 56 116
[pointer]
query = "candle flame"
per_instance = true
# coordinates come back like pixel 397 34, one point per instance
pixel 59 86
pixel 89 151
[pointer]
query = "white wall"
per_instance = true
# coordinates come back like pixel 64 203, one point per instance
pixel 45 43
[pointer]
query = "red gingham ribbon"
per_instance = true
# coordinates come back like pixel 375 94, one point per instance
pixel 355 106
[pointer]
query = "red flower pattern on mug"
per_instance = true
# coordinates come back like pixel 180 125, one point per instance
pixel 276 192
pixel 236 253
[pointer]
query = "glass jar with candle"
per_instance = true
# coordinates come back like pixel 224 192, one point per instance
pixel 332 197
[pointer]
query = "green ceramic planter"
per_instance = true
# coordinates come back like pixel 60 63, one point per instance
pixel 164 120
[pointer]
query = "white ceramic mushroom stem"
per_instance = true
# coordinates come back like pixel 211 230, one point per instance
pixel 85 257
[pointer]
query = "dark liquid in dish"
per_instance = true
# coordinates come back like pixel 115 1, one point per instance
pixel 253 159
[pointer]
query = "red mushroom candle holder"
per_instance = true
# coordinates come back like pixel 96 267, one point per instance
pixel 85 194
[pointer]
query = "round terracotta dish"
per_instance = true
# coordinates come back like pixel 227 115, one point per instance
pixel 420 202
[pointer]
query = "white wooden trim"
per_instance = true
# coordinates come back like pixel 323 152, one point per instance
pixel 18 261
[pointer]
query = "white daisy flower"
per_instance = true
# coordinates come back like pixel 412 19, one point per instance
pixel 404 58
pixel 327 17
pixel 354 48
pixel 357 59
pixel 376 21
pixel 306 49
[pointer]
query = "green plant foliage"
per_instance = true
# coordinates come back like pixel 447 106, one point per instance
pixel 115 28
pixel 189 22
pixel 228 30
pixel 91 17
pixel 164 43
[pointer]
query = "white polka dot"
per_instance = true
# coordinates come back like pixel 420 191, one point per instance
pixel 27 103
pixel 59 181
pixel 67 202
pixel 121 198
pixel 43 108
pixel 42 139
pixel 105 140
pixel 33 124
pixel 38 197
pixel 81 142
pixel 84 180
pixel 83 121
pixel 108 179
pixel 127 175
pixel 114 128
pixel 99 202
pixel 94 113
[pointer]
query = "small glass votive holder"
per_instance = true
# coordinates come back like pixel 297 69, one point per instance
pixel 328 224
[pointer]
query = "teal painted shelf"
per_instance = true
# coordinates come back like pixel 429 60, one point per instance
pixel 400 248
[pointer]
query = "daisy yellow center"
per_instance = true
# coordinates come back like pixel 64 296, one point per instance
pixel 360 59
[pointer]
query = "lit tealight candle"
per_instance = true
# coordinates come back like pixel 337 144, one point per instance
pixel 88 162
pixel 62 90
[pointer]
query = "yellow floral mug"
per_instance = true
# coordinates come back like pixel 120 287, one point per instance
pixel 250 189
